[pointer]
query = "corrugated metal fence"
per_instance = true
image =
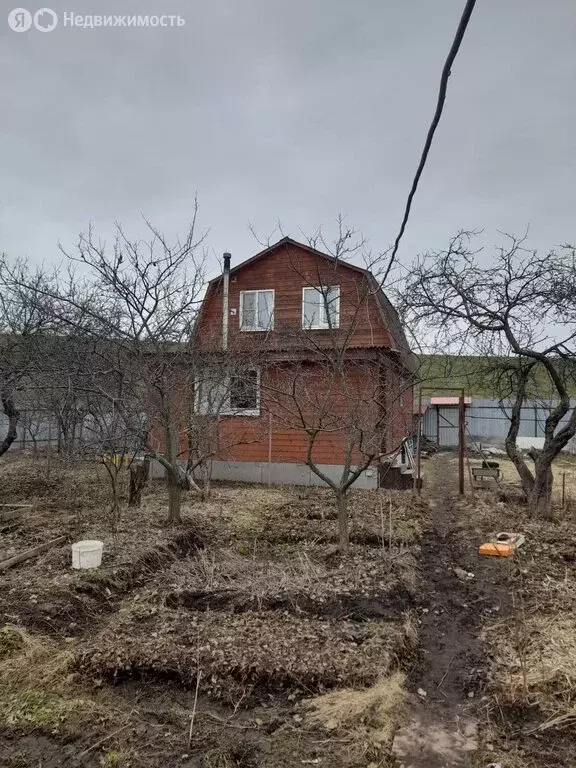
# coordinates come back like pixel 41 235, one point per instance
pixel 487 421
pixel 40 430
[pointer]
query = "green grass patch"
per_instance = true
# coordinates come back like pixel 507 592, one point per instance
pixel 11 641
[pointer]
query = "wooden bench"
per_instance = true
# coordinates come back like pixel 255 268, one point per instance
pixel 480 473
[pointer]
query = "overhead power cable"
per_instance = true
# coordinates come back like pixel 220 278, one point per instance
pixel 446 72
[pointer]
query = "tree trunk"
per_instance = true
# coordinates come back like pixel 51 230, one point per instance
pixel 13 414
pixel 540 496
pixel 174 498
pixel 139 473
pixel 343 537
pixel 515 456
pixel 172 475
pixel 115 511
pixel 205 470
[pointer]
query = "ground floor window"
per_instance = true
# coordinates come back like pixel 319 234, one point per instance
pixel 244 391
pixel 236 394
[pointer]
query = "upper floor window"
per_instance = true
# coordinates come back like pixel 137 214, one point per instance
pixel 256 310
pixel 321 307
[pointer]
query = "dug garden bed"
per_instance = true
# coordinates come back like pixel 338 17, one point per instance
pixel 253 654
pixel 248 596
pixel 367 584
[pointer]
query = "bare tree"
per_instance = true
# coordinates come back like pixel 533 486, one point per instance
pixel 339 383
pixel 107 436
pixel 343 410
pixel 132 305
pixel 516 310
pixel 22 325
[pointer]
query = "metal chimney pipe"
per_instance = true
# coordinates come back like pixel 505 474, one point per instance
pixel 225 300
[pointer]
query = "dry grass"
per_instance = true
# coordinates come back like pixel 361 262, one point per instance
pixel 532 654
pixel 36 660
pixel 564 465
pixel 368 712
pixel 534 663
pixel 34 686
pixel 218 568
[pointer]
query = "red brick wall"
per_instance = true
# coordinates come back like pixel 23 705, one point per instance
pixel 287 271
pixel 247 438
pixel 320 398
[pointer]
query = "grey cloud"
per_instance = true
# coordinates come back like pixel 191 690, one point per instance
pixel 294 111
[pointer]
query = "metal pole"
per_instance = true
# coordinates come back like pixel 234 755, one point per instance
pixel 270 448
pixel 417 480
pixel 461 442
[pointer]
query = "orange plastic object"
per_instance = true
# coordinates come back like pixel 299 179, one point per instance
pixel 497 549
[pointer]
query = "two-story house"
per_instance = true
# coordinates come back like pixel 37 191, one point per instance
pixel 322 373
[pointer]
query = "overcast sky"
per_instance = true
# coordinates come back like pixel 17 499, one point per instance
pixel 293 111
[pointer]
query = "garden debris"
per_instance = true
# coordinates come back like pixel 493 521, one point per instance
pixel 249 590
pixel 503 545
pixel 31 553
pixel 463 575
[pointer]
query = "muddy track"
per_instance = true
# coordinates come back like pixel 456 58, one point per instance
pixel 447 681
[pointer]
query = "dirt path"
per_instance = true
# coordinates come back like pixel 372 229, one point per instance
pixel 446 683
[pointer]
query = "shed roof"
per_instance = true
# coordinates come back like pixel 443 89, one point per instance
pixel 449 401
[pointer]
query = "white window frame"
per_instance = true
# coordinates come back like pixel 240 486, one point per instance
pixel 321 290
pixel 241 310
pixel 226 407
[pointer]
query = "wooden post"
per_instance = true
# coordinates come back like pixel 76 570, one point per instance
pixel 563 490
pixel 438 426
pixel 461 441
pixel 270 449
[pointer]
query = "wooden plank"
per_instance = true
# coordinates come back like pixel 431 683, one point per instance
pixel 31 552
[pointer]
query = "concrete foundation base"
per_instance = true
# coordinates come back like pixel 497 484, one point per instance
pixel 277 473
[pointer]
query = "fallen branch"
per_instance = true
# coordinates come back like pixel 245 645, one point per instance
pixel 199 675
pixel 31 552
pixel 101 741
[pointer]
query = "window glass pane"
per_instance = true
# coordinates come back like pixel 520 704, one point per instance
pixel 333 303
pixel 211 394
pixel 244 391
pixel 312 308
pixel 249 305
pixel 265 309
